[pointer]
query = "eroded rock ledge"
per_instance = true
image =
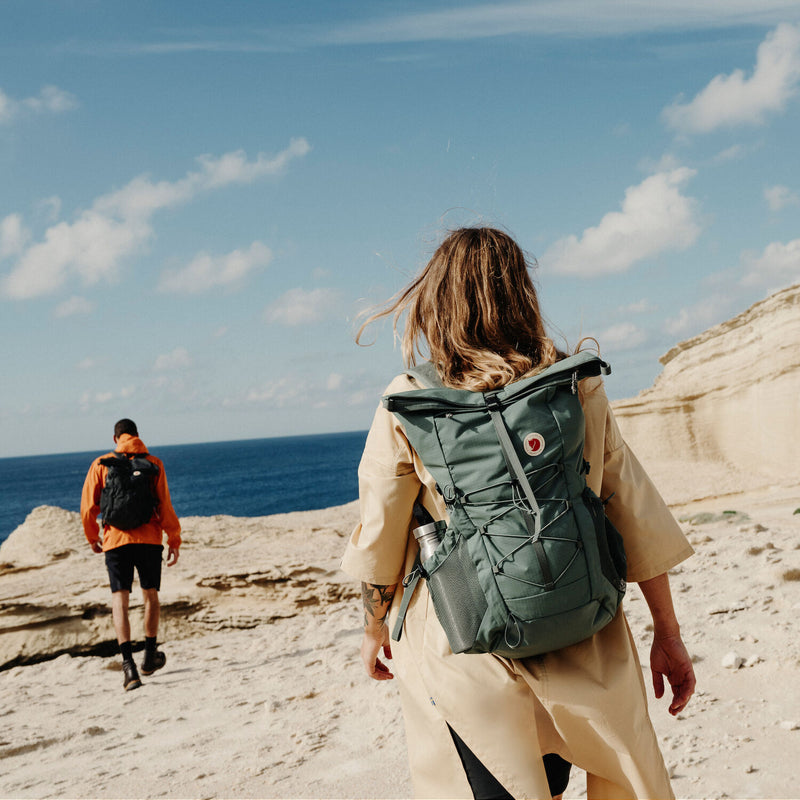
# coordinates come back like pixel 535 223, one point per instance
pixel 232 573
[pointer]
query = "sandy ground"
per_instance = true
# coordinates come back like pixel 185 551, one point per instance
pixel 282 709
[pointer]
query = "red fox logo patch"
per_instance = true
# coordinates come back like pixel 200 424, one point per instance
pixel 533 444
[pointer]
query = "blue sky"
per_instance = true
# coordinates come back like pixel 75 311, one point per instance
pixel 198 198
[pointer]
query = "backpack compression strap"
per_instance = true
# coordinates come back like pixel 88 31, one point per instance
pixel 533 521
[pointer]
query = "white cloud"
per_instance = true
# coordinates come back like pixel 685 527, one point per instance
pixel 13 236
pixel 623 336
pixel 175 360
pixel 777 266
pixel 206 272
pixel 299 306
pixel 779 197
pixel 734 99
pixel 50 100
pixel 118 224
pixel 655 217
pixel 88 363
pixel 74 306
pixel 334 382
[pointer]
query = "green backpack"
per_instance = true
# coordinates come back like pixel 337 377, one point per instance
pixel 529 562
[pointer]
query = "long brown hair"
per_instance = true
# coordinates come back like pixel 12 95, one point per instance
pixel 476 307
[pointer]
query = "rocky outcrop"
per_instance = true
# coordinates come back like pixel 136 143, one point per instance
pixel 724 414
pixel 232 573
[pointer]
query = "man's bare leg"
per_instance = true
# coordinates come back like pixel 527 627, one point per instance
pixel 122 626
pixel 152 611
pixel 119 613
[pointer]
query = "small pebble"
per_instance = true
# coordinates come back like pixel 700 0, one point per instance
pixel 732 660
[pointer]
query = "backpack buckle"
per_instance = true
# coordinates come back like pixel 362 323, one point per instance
pixel 492 401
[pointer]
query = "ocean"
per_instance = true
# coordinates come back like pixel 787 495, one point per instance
pixel 248 478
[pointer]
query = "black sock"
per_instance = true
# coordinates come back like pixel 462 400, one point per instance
pixel 127 651
pixel 150 644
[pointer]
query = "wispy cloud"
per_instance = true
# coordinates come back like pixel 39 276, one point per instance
pixel 622 336
pixel 50 100
pixel 779 197
pixel 462 22
pixel 778 266
pixel 643 306
pixel 693 319
pixel 301 306
pixel 176 359
pixel 74 306
pixel 13 236
pixel 560 17
pixel 206 272
pixel 735 99
pixel 655 217
pixel 90 399
pixel 119 224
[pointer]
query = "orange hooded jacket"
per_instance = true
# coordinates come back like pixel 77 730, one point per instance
pixel 164 518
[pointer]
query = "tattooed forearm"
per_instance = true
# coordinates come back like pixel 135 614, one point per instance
pixel 377 600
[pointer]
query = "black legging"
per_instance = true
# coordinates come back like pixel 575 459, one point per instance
pixel 486 787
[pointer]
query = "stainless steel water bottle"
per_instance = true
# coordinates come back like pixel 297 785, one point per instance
pixel 428 537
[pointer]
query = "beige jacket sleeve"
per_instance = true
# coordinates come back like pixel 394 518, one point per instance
pixel 388 484
pixel 654 542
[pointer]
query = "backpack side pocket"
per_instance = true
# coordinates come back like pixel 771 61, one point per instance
pixel 613 561
pixel 458 599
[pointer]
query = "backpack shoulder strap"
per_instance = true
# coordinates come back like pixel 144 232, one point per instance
pixel 426 376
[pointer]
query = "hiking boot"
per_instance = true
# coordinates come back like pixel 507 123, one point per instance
pixel 152 661
pixel 131 676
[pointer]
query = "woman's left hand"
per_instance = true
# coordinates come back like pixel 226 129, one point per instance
pixel 669 657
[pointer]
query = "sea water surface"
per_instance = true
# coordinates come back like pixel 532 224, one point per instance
pixel 248 478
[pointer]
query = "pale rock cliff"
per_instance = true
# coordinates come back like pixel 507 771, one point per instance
pixel 724 414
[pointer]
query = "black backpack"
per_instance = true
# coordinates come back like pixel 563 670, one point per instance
pixel 128 499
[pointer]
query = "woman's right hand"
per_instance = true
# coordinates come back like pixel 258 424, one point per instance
pixel 377 601
pixel 371 645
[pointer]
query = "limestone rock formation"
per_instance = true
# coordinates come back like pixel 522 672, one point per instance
pixel 232 573
pixel 724 414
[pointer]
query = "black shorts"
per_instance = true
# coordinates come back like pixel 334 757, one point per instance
pixel 145 557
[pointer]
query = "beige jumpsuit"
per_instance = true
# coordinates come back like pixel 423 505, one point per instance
pixel 586 702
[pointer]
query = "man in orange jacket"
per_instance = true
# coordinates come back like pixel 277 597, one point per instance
pixel 126 548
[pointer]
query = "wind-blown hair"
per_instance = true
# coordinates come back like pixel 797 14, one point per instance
pixel 475 306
